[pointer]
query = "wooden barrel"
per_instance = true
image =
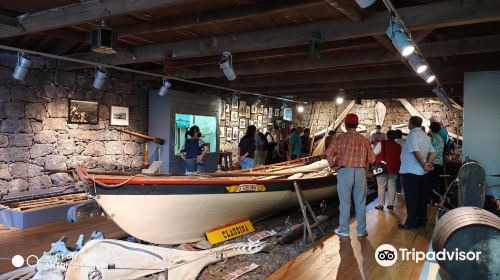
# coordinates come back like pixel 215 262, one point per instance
pixel 469 229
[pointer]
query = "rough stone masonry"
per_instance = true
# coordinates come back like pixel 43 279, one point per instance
pixel 35 134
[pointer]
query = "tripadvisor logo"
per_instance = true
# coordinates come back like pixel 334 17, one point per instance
pixel 387 255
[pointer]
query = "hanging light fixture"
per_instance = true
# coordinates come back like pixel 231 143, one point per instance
pixel 399 38
pixel 439 91
pixel 164 88
pixel 365 3
pixel 428 76
pixel 340 97
pixel 417 63
pixel 226 64
pixel 300 108
pixel 100 77
pixel 22 67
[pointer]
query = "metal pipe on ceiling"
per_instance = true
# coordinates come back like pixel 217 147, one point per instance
pixel 160 76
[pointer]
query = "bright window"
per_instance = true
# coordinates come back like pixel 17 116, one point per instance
pixel 207 125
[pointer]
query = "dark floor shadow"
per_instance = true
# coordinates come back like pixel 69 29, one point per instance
pixel 348 261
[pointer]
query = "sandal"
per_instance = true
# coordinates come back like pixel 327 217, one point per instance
pixel 379 207
pixel 390 207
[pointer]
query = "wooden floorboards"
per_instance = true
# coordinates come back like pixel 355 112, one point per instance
pixel 36 240
pixel 335 257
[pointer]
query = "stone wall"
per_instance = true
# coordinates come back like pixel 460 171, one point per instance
pixel 396 113
pixel 35 134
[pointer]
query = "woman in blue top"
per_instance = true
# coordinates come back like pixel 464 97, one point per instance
pixel 193 150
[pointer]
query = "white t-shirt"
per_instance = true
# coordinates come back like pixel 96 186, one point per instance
pixel 417 141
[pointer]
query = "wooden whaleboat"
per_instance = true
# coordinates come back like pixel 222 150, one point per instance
pixel 169 209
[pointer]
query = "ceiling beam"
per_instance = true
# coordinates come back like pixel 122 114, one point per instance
pixel 81 12
pixel 348 8
pixel 441 14
pixel 465 46
pixel 220 16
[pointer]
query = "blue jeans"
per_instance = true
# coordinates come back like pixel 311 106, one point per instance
pixel 352 181
pixel 246 163
pixel 192 165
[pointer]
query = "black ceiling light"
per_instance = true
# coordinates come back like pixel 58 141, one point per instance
pixel 102 38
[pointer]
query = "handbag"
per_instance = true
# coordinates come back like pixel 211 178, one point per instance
pixel 380 168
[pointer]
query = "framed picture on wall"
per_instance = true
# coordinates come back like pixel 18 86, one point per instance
pixel 222 123
pixel 243 123
pixel 247 112
pixel 251 122
pixel 254 109
pixel 242 108
pixel 276 112
pixel 83 112
pixel 222 132
pixel 234 102
pixel 259 121
pixel 227 108
pixel 240 135
pixel 270 115
pixel 265 111
pixel 234 116
pixel 229 133
pixel 235 133
pixel 119 116
pixel 261 109
pixel 222 115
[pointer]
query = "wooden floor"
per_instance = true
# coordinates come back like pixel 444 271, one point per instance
pixel 335 257
pixel 36 240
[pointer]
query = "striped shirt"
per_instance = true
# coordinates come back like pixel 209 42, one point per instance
pixel 350 149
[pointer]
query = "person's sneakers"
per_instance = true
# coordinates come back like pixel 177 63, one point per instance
pixel 363 234
pixel 379 207
pixel 344 234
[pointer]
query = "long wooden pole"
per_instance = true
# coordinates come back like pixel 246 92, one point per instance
pixel 144 136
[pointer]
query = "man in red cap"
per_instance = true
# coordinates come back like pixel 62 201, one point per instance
pixel 351 154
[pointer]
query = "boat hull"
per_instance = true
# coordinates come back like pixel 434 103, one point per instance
pixel 173 214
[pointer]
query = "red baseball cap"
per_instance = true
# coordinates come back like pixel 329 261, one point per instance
pixel 352 119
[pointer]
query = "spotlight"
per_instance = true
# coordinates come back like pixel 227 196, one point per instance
pixel 417 63
pixel 365 3
pixel 164 88
pixel 428 76
pixel 340 97
pixel 22 67
pixel 100 77
pixel 300 108
pixel 226 64
pixel 399 38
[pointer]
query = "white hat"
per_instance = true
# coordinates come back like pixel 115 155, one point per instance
pixel 435 119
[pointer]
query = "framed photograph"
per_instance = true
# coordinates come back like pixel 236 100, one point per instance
pixel 229 133
pixel 261 109
pixel 255 123
pixel 265 111
pixel 227 108
pixel 259 121
pixel 235 133
pixel 222 132
pixel 247 112
pixel 243 123
pixel 234 102
pixel 222 140
pixel 234 116
pixel 119 116
pixel 242 108
pixel 254 109
pixel 251 122
pixel 84 112
pixel 276 112
pixel 270 115
pixel 240 135
pixel 222 110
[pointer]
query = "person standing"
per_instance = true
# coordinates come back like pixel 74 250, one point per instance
pixel 416 159
pixel 305 140
pixel 295 144
pixel 260 140
pixel 434 175
pixel 193 151
pixel 351 154
pixel 377 135
pixel 270 144
pixel 401 142
pixel 390 152
pixel 247 148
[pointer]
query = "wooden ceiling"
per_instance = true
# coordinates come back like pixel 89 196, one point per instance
pixel 269 41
